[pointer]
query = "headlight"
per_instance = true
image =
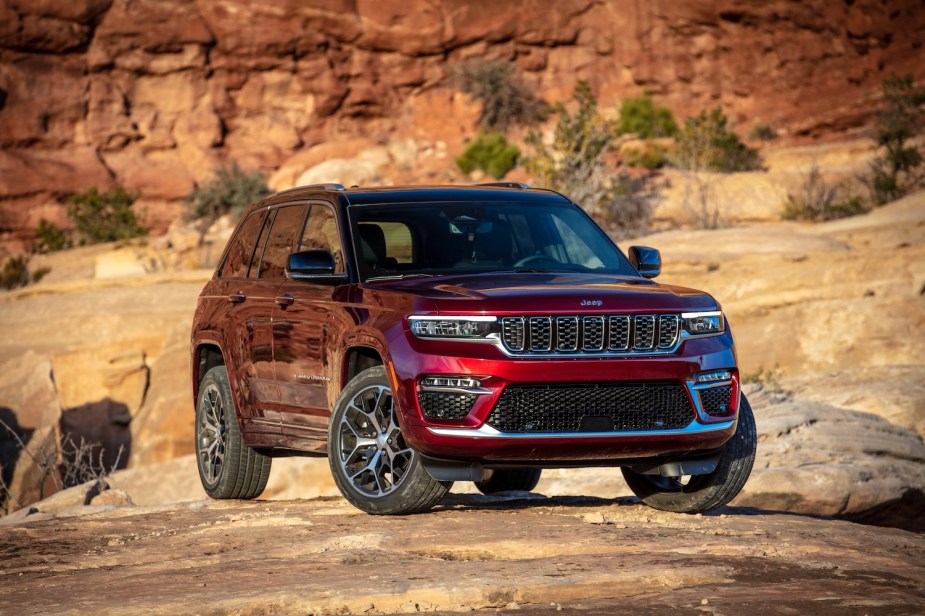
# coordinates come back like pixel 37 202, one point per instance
pixel 702 323
pixel 451 327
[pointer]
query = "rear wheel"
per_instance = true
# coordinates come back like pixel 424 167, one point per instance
pixel 227 467
pixel 702 493
pixel 372 465
pixel 510 479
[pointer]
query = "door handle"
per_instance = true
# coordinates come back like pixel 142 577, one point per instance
pixel 237 298
pixel 284 300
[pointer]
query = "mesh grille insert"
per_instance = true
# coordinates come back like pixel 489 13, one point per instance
pixel 563 408
pixel 438 405
pixel 716 400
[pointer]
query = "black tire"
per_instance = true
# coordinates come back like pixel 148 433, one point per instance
pixel 227 467
pixel 372 465
pixel 703 493
pixel 510 479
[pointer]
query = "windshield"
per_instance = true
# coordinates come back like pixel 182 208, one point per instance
pixel 429 239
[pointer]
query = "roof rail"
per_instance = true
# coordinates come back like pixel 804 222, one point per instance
pixel 329 186
pixel 519 185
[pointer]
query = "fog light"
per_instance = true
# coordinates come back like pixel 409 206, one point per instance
pixel 713 377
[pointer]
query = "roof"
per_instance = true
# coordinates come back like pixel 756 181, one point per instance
pixel 507 192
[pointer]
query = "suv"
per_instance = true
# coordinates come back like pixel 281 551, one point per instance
pixel 421 336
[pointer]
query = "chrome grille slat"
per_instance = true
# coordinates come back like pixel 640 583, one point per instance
pixel 593 333
pixel 619 333
pixel 540 333
pixel 667 330
pixel 567 333
pixel 590 334
pixel 643 332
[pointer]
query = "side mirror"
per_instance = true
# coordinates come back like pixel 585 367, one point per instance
pixel 646 260
pixel 313 265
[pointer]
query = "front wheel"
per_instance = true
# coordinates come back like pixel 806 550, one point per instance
pixel 372 465
pixel 702 493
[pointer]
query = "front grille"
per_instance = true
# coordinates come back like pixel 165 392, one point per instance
pixel 597 334
pixel 439 405
pixel 716 400
pixel 592 408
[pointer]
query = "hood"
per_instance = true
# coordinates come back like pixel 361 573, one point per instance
pixel 549 293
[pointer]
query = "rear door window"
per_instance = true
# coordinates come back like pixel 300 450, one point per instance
pixel 281 241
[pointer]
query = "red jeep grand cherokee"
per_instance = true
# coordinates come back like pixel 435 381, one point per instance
pixel 421 336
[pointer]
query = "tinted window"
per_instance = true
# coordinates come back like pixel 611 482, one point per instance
pixel 242 246
pixel 321 234
pixel 281 241
pixel 460 238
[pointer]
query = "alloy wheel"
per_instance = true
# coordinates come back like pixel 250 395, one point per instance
pixel 372 452
pixel 211 429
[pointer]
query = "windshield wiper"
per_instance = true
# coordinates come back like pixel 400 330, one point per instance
pixel 400 276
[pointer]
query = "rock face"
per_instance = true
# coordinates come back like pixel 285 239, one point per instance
pixel 474 554
pixel 153 95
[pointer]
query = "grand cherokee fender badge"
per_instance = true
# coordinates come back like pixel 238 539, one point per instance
pixel 592 302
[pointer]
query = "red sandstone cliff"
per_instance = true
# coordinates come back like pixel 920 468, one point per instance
pixel 152 94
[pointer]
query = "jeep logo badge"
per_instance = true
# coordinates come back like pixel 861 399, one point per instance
pixel 592 302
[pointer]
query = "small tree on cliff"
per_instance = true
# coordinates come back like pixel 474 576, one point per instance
pixel 506 100
pixel 895 171
pixel 230 191
pixel 573 164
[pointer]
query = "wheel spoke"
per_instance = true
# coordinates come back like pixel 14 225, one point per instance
pixel 373 454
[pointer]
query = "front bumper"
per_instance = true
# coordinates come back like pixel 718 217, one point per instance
pixel 471 439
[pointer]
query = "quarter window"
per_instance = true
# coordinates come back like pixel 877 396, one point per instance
pixel 242 246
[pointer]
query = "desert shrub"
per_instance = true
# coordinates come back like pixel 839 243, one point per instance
pixel 705 144
pixel 15 273
pixel 820 201
pixel 762 131
pixel 506 100
pixel 490 153
pixel 639 116
pixel 767 379
pixel 573 163
pixel 895 170
pixel 652 155
pixel 629 212
pixel 50 238
pixel 230 191
pixel 104 217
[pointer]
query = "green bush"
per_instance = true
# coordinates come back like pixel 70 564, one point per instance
pixel 490 153
pixel 230 191
pixel 50 238
pixel 15 273
pixel 894 172
pixel 705 144
pixel 639 116
pixel 762 131
pixel 104 217
pixel 573 164
pixel 652 155
pixel 506 100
